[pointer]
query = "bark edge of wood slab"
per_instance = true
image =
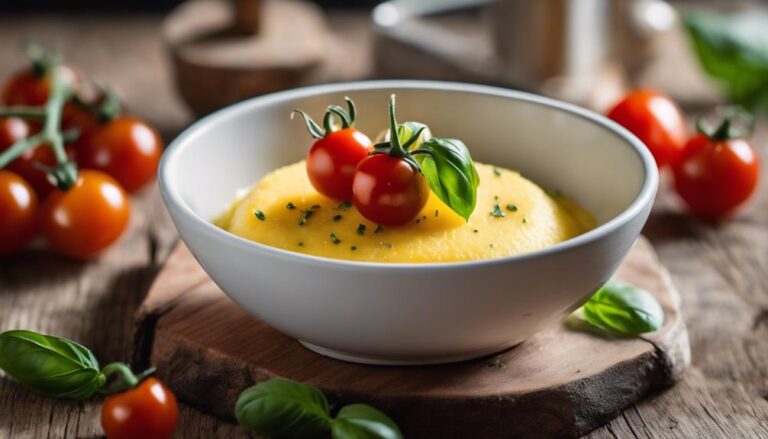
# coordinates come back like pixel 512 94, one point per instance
pixel 558 383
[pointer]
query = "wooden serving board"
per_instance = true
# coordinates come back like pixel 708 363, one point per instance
pixel 561 382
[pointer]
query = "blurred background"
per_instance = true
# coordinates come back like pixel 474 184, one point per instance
pixel 172 60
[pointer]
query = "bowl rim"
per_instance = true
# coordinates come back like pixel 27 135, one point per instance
pixel 173 199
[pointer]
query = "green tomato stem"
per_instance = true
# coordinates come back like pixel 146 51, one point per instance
pixel 23 112
pixel 732 123
pixel 126 379
pixel 53 109
pixel 394 140
pixel 19 147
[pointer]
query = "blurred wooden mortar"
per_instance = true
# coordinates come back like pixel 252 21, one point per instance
pixel 227 51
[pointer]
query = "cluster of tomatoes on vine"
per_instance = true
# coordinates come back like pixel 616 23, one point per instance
pixel 716 170
pixel 389 183
pixel 68 159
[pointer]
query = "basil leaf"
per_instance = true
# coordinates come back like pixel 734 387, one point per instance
pixel 407 129
pixel 404 132
pixel 51 366
pixel 450 172
pixel 281 408
pixel 360 421
pixel 733 49
pixel 624 308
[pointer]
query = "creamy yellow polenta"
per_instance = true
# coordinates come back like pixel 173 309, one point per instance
pixel 284 210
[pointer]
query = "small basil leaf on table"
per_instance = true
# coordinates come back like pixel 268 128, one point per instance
pixel 624 308
pixel 450 172
pixel 360 421
pixel 283 408
pixel 51 366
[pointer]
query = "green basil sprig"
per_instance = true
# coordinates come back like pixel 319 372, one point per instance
pixel 624 308
pixel 281 408
pixel 60 368
pixel 445 163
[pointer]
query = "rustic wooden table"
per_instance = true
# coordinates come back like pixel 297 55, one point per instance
pixel 721 271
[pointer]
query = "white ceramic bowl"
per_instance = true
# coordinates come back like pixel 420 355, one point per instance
pixel 413 313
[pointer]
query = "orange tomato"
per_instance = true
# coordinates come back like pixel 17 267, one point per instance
pixel 87 218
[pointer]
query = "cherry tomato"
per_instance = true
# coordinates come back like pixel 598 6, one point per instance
pixel 714 177
pixel 148 411
pixel 388 190
pixel 26 88
pixel 332 160
pixel 87 218
pixel 655 120
pixel 126 148
pixel 18 213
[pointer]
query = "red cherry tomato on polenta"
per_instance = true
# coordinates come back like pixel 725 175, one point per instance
pixel 87 218
pixel 18 213
pixel 388 190
pixel 126 148
pixel 715 176
pixel 332 160
pixel 655 120
pixel 148 411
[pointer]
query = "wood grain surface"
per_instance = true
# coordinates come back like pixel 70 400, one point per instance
pixel 208 349
pixel 721 271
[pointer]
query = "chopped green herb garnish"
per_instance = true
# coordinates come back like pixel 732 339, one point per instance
pixel 344 205
pixel 495 198
pixel 336 218
pixel 361 229
pixel 525 220
pixel 290 206
pixel 379 229
pixel 496 171
pixel 353 248
pixel 301 244
pixel 260 215
pixel 475 231
pixel 314 206
pixel 305 214
pixel 496 212
pixel 437 213
pixel 335 239
pixel 511 207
